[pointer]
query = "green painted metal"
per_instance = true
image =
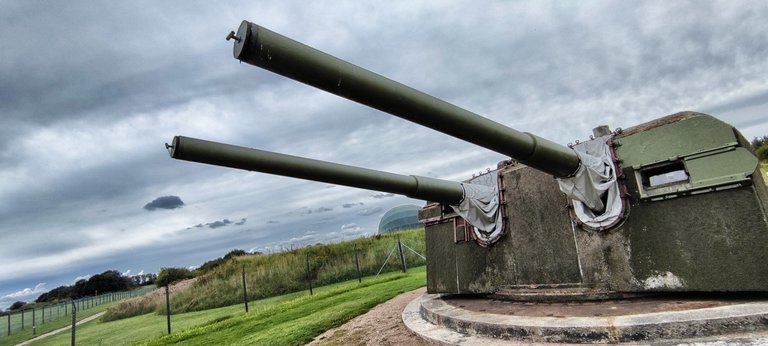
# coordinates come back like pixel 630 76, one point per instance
pixel 430 189
pixel 670 141
pixel 261 47
pixel 705 148
pixel 727 167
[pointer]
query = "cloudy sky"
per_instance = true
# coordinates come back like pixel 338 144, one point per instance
pixel 90 92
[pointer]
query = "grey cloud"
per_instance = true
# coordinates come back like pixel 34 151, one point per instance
pixel 220 223
pixel 369 212
pixel 383 195
pixel 350 205
pixel 217 224
pixel 318 210
pixel 165 202
pixel 350 227
pixel 273 221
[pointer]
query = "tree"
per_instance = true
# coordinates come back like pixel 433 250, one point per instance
pixel 149 279
pixel 235 253
pixel 17 305
pixel 108 281
pixel 144 279
pixel 56 294
pixel 167 276
pixel 210 265
pixel 761 147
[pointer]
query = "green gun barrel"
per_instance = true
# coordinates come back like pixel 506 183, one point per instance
pixel 424 188
pixel 261 47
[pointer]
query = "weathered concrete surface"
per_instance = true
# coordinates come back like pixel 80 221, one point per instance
pixel 742 323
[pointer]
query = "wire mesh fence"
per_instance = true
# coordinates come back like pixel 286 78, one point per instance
pixel 276 274
pixel 31 319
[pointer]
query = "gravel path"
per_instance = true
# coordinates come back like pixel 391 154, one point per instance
pixel 382 325
pixel 57 331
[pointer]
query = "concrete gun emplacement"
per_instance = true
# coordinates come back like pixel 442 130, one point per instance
pixel 675 204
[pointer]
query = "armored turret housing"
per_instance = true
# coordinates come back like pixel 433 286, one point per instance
pixel 675 204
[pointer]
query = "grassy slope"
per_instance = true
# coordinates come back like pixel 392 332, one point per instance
pixel 291 319
pixel 280 273
pixel 299 321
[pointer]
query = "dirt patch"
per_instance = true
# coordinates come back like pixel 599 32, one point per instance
pixel 159 293
pixel 382 325
pixel 145 303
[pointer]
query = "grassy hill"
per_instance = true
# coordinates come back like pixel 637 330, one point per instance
pixel 285 272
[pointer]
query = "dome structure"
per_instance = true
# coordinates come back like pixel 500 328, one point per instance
pixel 400 218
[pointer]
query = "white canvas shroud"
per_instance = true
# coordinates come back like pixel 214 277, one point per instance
pixel 596 175
pixel 480 207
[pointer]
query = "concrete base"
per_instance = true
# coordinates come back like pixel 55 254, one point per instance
pixel 447 322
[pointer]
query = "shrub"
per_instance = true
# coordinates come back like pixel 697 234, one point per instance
pixel 131 307
pixel 761 147
pixel 17 305
pixel 168 276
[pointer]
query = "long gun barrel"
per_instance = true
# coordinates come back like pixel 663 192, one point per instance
pixel 424 188
pixel 261 47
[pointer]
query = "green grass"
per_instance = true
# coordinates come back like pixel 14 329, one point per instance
pixel 290 319
pixel 298 321
pixel 25 334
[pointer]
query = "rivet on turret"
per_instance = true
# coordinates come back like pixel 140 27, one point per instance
pixel 231 35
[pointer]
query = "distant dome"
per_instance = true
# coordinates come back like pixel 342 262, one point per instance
pixel 400 218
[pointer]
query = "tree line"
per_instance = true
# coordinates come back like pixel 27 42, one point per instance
pixel 106 282
pixel 114 281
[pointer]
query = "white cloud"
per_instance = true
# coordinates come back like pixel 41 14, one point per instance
pixel 39 288
pixel 26 295
pixel 84 277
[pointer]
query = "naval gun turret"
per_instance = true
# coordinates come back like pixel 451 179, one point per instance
pixel 676 204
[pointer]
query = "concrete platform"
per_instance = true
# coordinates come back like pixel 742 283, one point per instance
pixel 640 321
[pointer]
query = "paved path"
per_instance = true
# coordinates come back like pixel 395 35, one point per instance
pixel 85 320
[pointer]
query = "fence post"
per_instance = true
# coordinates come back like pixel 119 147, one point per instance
pixel 22 319
pixel 9 324
pixel 245 291
pixel 357 265
pixel 168 308
pixel 309 276
pixel 402 256
pixel 43 320
pixel 34 326
pixel 74 321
